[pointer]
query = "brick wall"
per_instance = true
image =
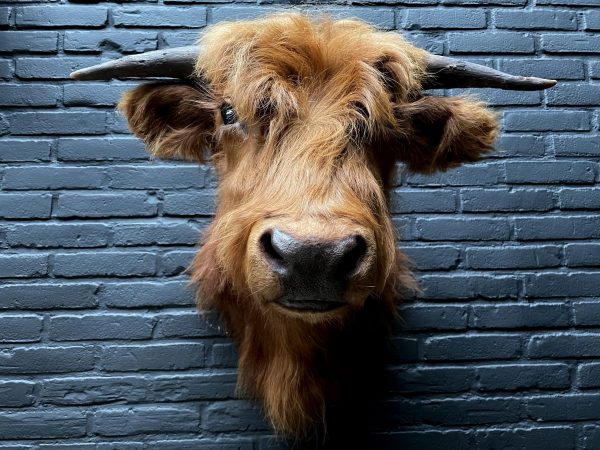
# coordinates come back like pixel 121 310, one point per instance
pixel 100 345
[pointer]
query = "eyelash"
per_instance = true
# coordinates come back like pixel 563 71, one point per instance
pixel 228 115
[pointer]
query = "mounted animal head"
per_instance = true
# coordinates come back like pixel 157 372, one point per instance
pixel 304 121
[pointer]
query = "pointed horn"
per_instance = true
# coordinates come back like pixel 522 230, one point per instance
pixel 173 63
pixel 447 72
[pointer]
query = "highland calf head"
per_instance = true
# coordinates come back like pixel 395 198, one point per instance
pixel 304 121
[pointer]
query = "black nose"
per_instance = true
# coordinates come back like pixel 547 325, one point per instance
pixel 314 272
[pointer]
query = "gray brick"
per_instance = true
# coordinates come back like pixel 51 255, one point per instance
pixel 588 375
pixel 431 42
pixel 28 95
pixel 16 393
pixel 178 38
pixel 520 145
pixel 516 377
pixel 574 95
pixel 201 203
pixel 186 324
pixel 100 326
pixel 232 415
pixel 579 43
pixel 461 229
pixel 556 69
pixel 61 423
pixel 517 315
pixel 177 356
pixel 505 200
pixel 121 41
pixel 23 265
pixel 564 407
pixel 57 122
pixel 473 347
pixel 223 355
pixel 128 294
pixel 586 313
pixel 509 257
pixel 539 19
pixel 61 16
pixel 562 284
pixel 156 16
pixel 554 437
pixel 125 421
pixel 28 41
pixel 469 175
pixel 175 262
pixel 93 94
pixel 17 150
pixel 23 206
pixel 486 42
pixel 486 2
pixel 51 68
pixel 156 234
pixel 117 264
pixel 201 386
pixel 457 18
pixel 557 227
pixel 550 172
pixel 445 379
pixel 433 317
pixel 425 201
pixel 40 360
pixel 48 296
pixel 123 204
pixel 6 69
pixel 576 145
pixel 50 177
pixel 433 257
pixel 577 255
pixel 547 121
pixel 592 20
pixel 84 390
pixel 22 328
pixel 58 235
pixel 157 177
pixel 5 14
pixel 100 149
pixel 458 286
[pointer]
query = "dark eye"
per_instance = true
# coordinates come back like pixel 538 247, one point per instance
pixel 228 114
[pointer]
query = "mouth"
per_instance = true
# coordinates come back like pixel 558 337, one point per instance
pixel 310 305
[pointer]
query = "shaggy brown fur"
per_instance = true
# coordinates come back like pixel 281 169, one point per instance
pixel 325 110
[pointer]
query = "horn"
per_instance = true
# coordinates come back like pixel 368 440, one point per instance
pixel 444 72
pixel 171 63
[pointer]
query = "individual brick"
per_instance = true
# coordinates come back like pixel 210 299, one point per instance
pixel 120 41
pixel 187 324
pixel 25 206
pixel 564 407
pixel 22 150
pixel 6 69
pixel 577 43
pixel 100 326
pixel 473 347
pixel 547 121
pixel 578 255
pixel 517 315
pixel 127 420
pixel 444 379
pixel 16 393
pixel 513 257
pixel 117 264
pixel 58 235
pixel 433 257
pixel 486 42
pixel 422 201
pixel 451 18
pixel 101 149
pixel 123 204
pixel 157 177
pixel 557 227
pixel 520 145
pixel 28 95
pixel 574 95
pixel 22 328
pixel 52 177
pixel 588 375
pixel 537 19
pixel 518 377
pixel 586 313
pixel 58 68
pixel 157 16
pixel 555 69
pixel 177 356
pixel 463 229
pixel 28 41
pixel 232 415
pixel 201 386
pixel 93 94
pixel 507 200
pixel 86 390
pixel 198 204
pixel 23 265
pixel 547 437
pixel 223 355
pixel 459 286
pixel 469 175
pixel 577 198
pixel 175 262
pixel 41 360
pixel 132 294
pixel 42 423
pixel 57 122
pixel 433 317
pixel 562 284
pixel 592 20
pixel 48 296
pixel 61 16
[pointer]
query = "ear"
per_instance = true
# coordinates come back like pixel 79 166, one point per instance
pixel 175 119
pixel 437 133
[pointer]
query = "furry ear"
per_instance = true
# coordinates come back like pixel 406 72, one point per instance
pixel 438 133
pixel 175 119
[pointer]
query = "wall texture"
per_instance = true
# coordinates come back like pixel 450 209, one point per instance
pixel 100 346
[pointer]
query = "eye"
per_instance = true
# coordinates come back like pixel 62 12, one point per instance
pixel 228 114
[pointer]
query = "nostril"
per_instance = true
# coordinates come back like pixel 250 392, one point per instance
pixel 353 252
pixel 266 242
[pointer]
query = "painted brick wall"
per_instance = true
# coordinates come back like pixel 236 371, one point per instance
pixel 100 346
